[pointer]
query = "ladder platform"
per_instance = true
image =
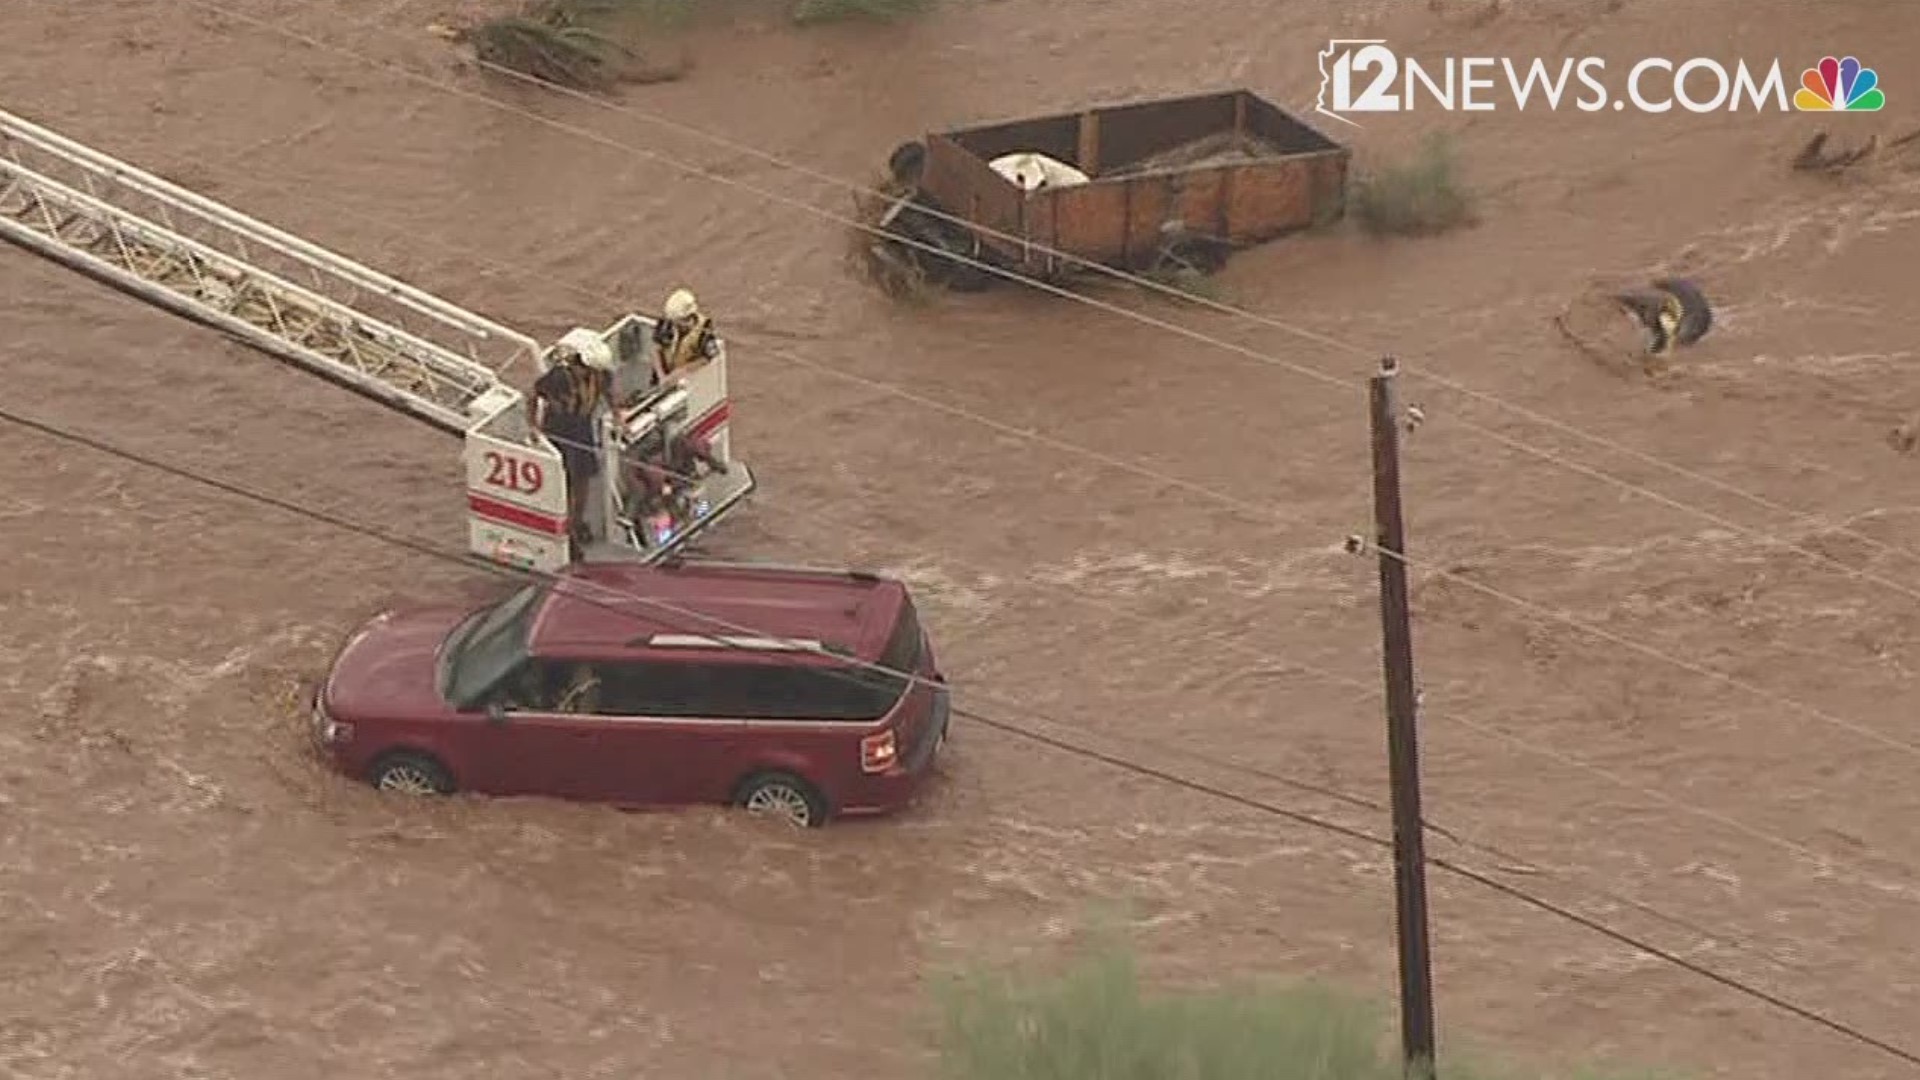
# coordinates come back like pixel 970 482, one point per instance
pixel 396 344
pixel 300 302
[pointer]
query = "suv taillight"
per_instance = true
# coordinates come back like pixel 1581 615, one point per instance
pixel 878 752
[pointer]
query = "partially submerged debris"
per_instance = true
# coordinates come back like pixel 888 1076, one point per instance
pixel 1674 312
pixel 1906 437
pixel 893 268
pixel 1671 313
pixel 1815 156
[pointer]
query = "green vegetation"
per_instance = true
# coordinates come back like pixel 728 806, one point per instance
pixel 1419 197
pixel 806 12
pixel 661 14
pixel 579 44
pixel 592 44
pixel 1098 1022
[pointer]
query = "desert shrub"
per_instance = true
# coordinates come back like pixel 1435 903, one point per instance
pixel 581 44
pixel 660 14
pixel 572 56
pixel 1098 1022
pixel 823 11
pixel 589 44
pixel 1420 196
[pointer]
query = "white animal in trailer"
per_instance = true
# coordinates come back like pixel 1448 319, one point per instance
pixel 1032 171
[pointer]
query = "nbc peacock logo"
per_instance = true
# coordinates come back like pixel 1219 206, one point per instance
pixel 1839 86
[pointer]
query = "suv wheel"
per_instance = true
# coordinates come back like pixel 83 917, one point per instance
pixel 408 773
pixel 786 796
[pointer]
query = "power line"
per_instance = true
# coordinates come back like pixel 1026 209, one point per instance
pixel 1219 306
pixel 1339 796
pixel 1346 798
pixel 1496 731
pixel 1269 662
pixel 1644 649
pixel 1321 790
pixel 1142 769
pixel 1231 641
pixel 1211 303
pixel 1285 813
pixel 1263 358
pixel 1297 817
pixel 1313 373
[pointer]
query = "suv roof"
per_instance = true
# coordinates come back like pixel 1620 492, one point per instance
pixel 624 608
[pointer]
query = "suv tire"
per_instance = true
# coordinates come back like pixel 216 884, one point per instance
pixel 785 795
pixel 409 773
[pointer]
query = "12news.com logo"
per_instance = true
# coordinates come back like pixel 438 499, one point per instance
pixel 1365 76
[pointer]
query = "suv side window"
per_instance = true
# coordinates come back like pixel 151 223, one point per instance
pixel 674 689
pixel 756 690
pixel 744 690
pixel 547 684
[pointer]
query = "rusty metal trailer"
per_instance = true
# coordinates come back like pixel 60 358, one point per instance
pixel 1190 179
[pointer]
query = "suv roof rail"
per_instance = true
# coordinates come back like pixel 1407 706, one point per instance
pixel 679 561
pixel 735 641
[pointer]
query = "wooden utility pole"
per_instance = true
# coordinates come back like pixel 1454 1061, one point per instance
pixel 1403 745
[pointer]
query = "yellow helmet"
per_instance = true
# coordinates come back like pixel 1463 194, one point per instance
pixel 681 306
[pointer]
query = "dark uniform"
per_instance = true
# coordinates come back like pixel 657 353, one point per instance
pixel 570 392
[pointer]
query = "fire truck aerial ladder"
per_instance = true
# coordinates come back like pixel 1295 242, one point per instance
pixel 391 342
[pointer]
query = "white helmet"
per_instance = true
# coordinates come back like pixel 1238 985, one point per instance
pixel 681 306
pixel 592 349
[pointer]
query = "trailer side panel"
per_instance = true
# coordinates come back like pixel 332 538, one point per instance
pixel 1229 166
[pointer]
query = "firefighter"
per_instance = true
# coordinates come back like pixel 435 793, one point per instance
pixel 683 336
pixel 563 406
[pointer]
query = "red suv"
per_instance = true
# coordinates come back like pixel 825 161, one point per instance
pixel 668 685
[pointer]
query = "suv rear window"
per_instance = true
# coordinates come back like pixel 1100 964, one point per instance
pixel 883 689
pixel 903 648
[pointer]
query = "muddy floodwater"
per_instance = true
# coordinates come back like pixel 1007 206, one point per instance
pixel 1727 774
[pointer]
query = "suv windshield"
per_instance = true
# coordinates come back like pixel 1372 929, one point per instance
pixel 487 647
